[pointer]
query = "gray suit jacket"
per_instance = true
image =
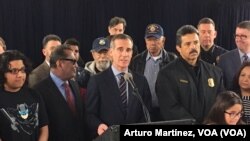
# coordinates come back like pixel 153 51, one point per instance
pixel 230 64
pixel 38 74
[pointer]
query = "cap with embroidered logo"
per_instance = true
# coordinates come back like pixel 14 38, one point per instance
pixel 154 30
pixel 100 44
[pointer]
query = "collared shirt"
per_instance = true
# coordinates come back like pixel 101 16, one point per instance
pixel 242 54
pixel 59 84
pixel 47 62
pixel 152 68
pixel 117 76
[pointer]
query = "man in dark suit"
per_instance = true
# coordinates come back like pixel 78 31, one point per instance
pixel 64 106
pixel 187 87
pixel 50 42
pixel 230 62
pixel 105 106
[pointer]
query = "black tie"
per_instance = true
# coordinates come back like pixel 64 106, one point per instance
pixel 123 94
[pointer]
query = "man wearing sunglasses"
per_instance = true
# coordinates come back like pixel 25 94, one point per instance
pixel 61 94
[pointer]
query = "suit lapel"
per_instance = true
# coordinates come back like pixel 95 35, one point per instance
pixel 54 90
pixel 76 94
pixel 236 59
pixel 110 78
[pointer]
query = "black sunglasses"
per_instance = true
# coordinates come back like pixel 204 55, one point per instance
pixel 71 60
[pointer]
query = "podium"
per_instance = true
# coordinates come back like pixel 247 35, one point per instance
pixel 113 132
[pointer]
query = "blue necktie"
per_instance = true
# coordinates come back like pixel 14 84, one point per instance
pixel 123 92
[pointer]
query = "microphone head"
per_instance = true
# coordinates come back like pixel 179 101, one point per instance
pixel 130 75
pixel 126 76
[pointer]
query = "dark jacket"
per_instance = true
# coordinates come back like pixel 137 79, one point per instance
pixel 104 102
pixel 184 93
pixel 63 125
pixel 139 61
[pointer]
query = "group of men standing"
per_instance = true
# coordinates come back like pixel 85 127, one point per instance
pixel 122 87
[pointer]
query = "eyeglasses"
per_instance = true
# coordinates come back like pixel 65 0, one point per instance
pixel 233 115
pixel 16 71
pixel 73 61
pixel 242 37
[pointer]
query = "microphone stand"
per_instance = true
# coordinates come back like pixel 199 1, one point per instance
pixel 144 108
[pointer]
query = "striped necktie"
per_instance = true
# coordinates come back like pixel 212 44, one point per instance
pixel 123 92
pixel 245 58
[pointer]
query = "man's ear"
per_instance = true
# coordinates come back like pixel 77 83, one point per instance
pixel 215 34
pixel 44 51
pixel 58 63
pixel 109 28
pixel 164 40
pixel 178 48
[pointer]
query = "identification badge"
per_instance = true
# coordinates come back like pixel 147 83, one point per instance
pixel 210 82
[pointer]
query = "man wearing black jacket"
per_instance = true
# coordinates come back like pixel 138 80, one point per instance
pixel 150 61
pixel 187 87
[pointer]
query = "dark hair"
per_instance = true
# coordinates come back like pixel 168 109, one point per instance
pixel 120 36
pixel 12 55
pixel 58 53
pixel 72 41
pixel 117 20
pixel 244 24
pixel 2 42
pixel 223 101
pixel 236 86
pixel 206 20
pixel 186 29
pixel 50 37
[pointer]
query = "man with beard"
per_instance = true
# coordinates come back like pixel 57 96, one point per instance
pixel 100 63
pixel 210 52
pixel 187 87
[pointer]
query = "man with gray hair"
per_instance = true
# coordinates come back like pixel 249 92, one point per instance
pixel 100 63
pixel 150 61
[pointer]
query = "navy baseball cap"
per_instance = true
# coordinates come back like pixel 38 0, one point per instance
pixel 100 44
pixel 154 30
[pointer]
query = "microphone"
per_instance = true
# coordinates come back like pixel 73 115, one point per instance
pixel 129 78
